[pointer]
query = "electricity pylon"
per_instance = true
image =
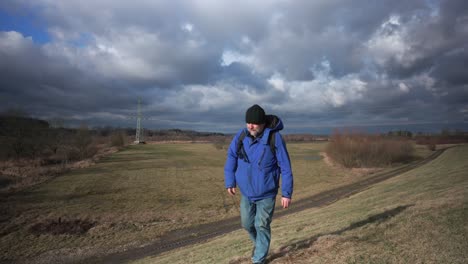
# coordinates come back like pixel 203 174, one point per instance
pixel 139 131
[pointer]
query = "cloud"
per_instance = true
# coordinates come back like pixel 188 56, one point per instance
pixel 200 64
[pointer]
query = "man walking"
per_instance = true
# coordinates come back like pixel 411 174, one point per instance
pixel 256 158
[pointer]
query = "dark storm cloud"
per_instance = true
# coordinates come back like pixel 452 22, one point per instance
pixel 41 84
pixel 451 69
pixel 200 64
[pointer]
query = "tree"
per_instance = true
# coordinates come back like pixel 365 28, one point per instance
pixel 83 140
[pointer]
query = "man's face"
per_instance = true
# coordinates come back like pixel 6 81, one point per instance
pixel 255 129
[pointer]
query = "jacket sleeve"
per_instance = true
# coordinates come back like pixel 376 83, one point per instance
pixel 231 164
pixel 282 155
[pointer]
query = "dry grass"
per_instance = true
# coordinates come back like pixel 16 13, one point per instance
pixel 418 217
pixel 21 174
pixel 314 172
pixel 136 195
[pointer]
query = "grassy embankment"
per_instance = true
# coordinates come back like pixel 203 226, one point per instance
pixel 418 217
pixel 133 196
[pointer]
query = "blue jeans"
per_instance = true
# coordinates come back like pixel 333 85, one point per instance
pixel 256 217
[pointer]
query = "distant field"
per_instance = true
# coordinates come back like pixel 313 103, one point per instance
pixel 420 216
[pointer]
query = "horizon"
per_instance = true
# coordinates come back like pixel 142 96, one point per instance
pixel 323 131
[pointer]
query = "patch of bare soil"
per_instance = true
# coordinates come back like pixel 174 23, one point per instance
pixel 59 226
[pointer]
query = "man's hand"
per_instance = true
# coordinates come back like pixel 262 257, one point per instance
pixel 231 191
pixel 285 202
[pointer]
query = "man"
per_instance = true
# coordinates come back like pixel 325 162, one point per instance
pixel 256 158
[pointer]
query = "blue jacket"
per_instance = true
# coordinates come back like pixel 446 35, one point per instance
pixel 259 177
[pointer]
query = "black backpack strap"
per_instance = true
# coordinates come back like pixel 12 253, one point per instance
pixel 272 141
pixel 240 151
pixel 271 122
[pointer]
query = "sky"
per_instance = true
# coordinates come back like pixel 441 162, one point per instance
pixel 319 65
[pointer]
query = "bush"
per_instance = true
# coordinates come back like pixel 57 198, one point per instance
pixel 82 142
pixel 117 139
pixel 22 137
pixel 354 150
pixel 431 146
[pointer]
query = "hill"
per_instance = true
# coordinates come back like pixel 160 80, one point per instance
pixel 419 216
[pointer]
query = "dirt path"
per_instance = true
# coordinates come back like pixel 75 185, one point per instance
pixel 198 234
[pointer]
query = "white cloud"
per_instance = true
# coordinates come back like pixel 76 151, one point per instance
pixel 14 42
pixel 403 87
pixel 324 91
pixel 230 56
pixel 246 40
pixel 187 27
pixel 344 90
pixel 388 42
pixel 222 96
pixel 277 82
pixel 61 35
pixel 130 53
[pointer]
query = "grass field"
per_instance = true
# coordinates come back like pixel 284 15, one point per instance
pixel 418 217
pixel 134 196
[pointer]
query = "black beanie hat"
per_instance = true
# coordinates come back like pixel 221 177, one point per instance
pixel 255 115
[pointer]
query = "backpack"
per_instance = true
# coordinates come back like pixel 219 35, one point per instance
pixel 271 122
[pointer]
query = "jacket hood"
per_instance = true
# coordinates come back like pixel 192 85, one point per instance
pixel 274 123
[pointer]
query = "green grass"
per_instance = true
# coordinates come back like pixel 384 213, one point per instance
pixel 418 217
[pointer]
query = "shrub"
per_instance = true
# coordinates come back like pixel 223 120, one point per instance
pixel 23 137
pixel 360 150
pixel 117 139
pixel 83 141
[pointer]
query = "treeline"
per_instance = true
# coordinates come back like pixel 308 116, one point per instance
pixel 446 136
pixel 182 135
pixel 304 138
pixel 25 137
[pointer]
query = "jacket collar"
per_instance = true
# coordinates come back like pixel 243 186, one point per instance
pixel 262 138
